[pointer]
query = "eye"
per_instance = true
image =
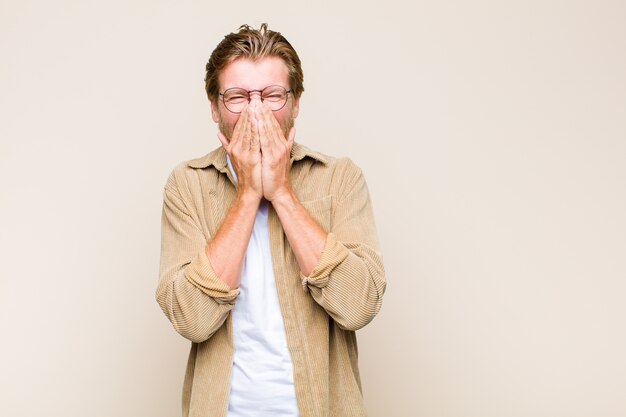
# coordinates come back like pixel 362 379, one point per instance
pixel 236 98
pixel 274 96
pixel 236 95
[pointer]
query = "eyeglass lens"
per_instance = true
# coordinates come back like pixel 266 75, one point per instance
pixel 235 99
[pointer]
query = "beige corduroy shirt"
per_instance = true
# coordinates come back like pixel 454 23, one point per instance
pixel 321 312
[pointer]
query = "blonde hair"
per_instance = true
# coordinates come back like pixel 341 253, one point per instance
pixel 253 44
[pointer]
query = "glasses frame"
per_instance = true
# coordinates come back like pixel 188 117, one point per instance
pixel 287 92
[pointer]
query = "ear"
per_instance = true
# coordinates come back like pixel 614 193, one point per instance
pixel 214 112
pixel 296 108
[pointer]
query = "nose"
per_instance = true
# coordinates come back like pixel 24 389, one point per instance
pixel 255 98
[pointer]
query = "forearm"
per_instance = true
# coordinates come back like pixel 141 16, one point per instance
pixel 306 238
pixel 227 249
pixel 192 296
pixel 349 279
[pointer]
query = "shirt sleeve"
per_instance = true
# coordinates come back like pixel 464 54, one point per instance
pixel 189 292
pixel 349 279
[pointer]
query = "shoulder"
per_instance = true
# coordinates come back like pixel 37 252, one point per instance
pixel 184 177
pixel 319 174
pixel 339 165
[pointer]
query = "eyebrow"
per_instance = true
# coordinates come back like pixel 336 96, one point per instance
pixel 257 89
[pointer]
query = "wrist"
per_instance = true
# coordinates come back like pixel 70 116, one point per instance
pixel 284 198
pixel 249 197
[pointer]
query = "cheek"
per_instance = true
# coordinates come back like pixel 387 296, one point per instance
pixel 283 115
pixel 229 118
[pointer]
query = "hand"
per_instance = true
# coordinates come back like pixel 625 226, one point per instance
pixel 245 153
pixel 275 153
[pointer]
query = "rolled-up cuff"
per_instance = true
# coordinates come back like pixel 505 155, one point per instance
pixel 332 255
pixel 201 274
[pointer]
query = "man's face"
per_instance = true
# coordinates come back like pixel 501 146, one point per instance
pixel 254 75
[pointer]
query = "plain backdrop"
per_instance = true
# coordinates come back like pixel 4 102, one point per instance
pixel 493 139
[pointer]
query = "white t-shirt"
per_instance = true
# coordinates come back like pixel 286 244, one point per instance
pixel 262 375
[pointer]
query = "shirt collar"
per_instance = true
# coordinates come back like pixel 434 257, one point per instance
pixel 217 157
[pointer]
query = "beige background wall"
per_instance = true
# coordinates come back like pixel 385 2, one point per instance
pixel 493 137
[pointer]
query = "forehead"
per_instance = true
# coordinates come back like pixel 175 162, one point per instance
pixel 254 75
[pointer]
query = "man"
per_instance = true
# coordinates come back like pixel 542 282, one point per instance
pixel 269 258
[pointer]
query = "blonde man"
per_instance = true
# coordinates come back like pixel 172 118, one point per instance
pixel 270 260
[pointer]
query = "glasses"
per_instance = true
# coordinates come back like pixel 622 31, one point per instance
pixel 235 99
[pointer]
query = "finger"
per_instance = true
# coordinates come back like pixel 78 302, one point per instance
pixel 255 142
pixel 251 110
pixel 255 101
pixel 263 138
pixel 244 132
pixel 291 137
pixel 277 127
pixel 239 127
pixel 270 127
pixel 272 121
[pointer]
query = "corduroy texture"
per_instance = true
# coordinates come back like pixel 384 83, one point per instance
pixel 321 312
